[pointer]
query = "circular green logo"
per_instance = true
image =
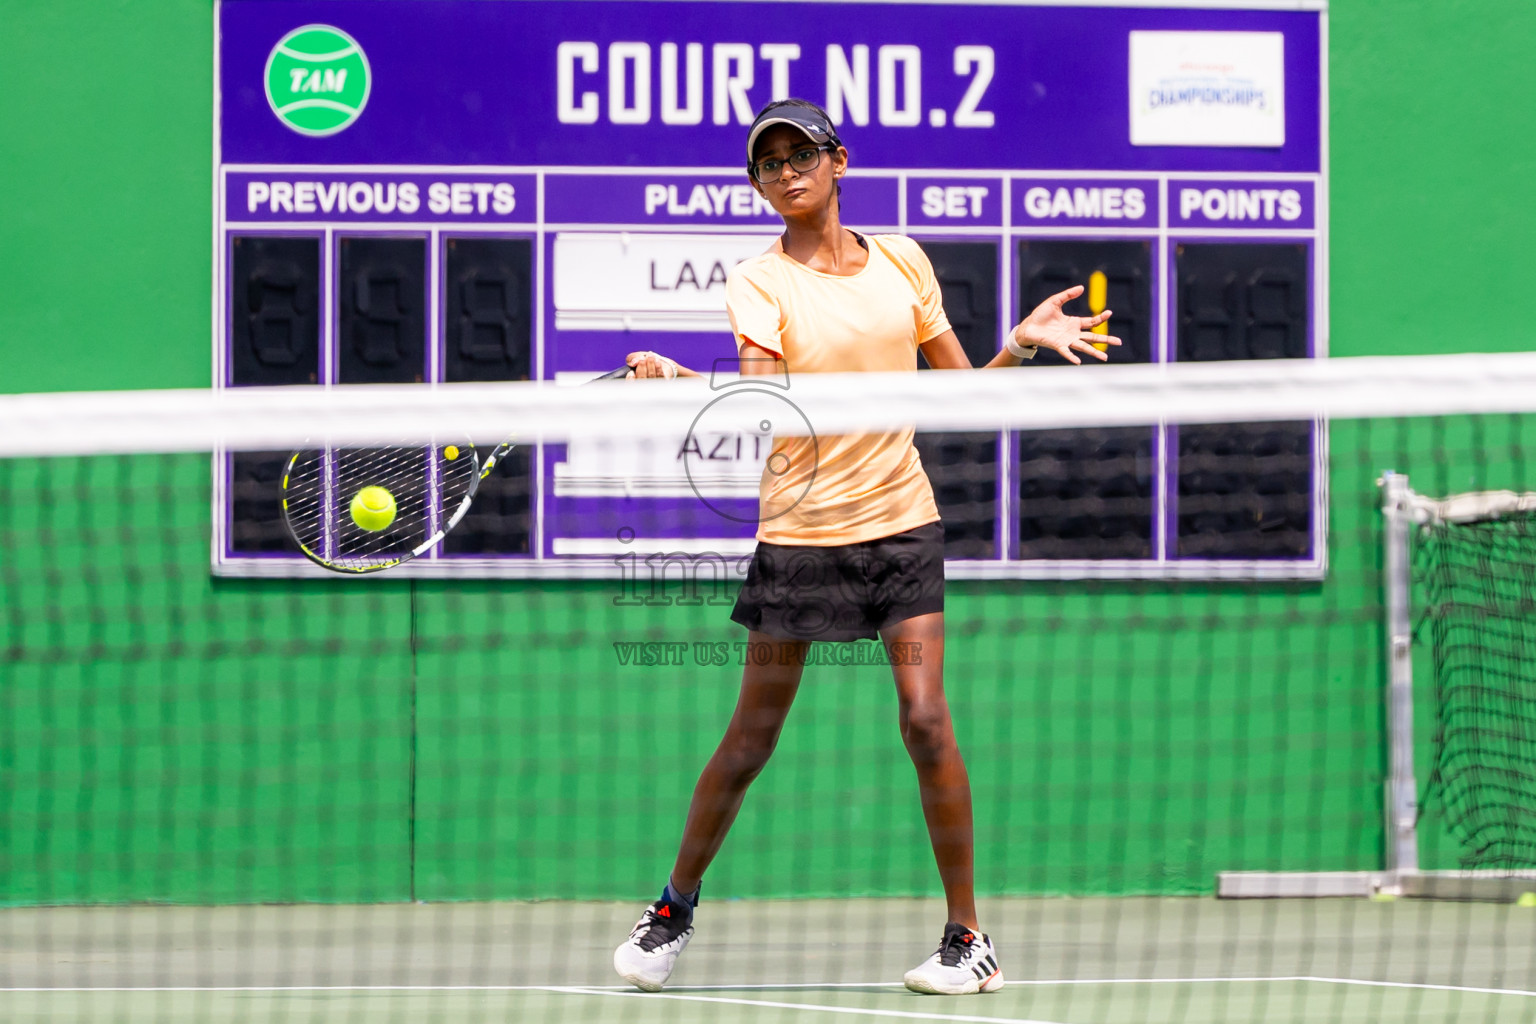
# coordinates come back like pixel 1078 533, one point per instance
pixel 317 80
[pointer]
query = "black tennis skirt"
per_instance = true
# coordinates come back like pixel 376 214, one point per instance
pixel 843 593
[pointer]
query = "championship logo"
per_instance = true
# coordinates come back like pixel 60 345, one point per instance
pixel 317 80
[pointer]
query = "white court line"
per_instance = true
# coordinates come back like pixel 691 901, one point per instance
pixel 774 986
pixel 1293 977
pixel 807 1007
pixel 591 989
pixel 1413 984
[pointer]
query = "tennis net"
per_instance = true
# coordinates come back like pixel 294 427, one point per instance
pixel 1478 572
pixel 235 786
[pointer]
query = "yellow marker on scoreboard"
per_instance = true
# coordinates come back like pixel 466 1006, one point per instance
pixel 1098 298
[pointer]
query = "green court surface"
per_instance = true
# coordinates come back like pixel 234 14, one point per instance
pixel 1068 961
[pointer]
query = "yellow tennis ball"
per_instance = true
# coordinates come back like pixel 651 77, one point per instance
pixel 451 452
pixel 373 509
pixel 1527 899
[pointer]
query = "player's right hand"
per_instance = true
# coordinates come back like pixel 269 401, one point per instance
pixel 651 364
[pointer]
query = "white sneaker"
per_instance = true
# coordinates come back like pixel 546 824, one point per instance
pixel 964 963
pixel 646 958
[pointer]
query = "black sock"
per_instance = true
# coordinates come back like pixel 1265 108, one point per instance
pixel 671 895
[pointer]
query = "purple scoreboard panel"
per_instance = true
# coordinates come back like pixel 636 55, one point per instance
pixel 481 190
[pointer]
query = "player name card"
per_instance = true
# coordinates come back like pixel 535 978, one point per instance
pixel 705 463
pixel 1287 205
pixel 370 196
pixel 606 281
pixel 1090 202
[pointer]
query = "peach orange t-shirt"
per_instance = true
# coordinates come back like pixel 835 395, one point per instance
pixel 861 486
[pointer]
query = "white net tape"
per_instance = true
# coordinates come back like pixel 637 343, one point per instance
pixel 1474 507
pixel 1034 398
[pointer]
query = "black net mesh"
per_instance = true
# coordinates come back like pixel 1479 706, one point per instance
pixel 449 799
pixel 1480 587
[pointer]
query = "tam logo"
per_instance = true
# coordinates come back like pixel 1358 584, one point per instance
pixel 329 80
pixel 317 80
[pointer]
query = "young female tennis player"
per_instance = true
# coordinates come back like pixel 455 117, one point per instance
pixel 858 554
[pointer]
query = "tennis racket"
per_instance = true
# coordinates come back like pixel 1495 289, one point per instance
pixel 429 489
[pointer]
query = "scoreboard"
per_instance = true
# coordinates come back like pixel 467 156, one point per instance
pixel 414 191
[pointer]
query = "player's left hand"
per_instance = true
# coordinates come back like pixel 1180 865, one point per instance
pixel 1048 327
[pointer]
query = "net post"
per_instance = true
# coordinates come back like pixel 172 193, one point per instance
pixel 1402 807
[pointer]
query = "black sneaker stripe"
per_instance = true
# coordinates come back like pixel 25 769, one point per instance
pixel 991 964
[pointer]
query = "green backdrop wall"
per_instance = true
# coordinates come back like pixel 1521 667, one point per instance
pixel 166 736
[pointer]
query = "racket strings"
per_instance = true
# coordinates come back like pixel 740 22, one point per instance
pixel 426 485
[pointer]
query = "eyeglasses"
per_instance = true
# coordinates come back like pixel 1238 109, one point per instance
pixel 802 160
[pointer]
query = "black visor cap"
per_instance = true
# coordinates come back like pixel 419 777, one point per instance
pixel 807 121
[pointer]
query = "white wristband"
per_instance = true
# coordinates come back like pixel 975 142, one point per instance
pixel 1019 351
pixel 668 366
